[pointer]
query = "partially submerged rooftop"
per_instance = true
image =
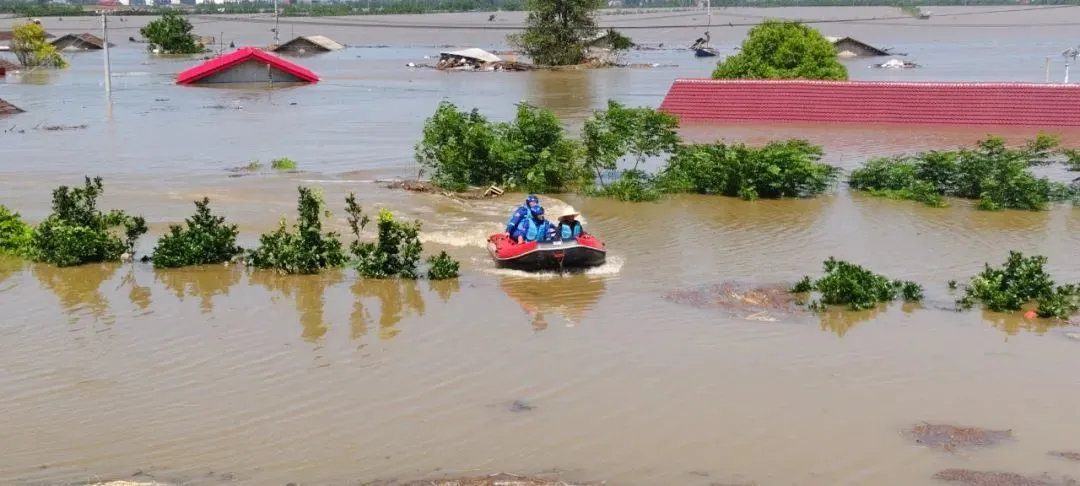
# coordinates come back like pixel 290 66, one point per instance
pixel 8 108
pixel 309 44
pixel 851 47
pixel 84 41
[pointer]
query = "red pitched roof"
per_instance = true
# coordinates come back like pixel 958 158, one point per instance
pixel 240 56
pixel 922 103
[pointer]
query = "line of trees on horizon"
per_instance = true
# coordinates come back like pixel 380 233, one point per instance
pixel 38 8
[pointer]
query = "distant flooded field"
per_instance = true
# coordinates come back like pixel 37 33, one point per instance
pixel 222 375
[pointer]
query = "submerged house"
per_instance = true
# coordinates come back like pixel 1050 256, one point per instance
pixel 310 44
pixel 848 47
pixel 8 108
pixel 246 65
pixel 84 41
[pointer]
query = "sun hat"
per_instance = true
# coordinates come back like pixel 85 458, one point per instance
pixel 568 215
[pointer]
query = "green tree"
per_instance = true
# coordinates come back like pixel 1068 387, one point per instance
pixel 619 132
pixel 206 240
pixel 532 152
pixel 556 31
pixel 995 175
pixel 788 168
pixel 15 235
pixel 306 249
pixel 172 34
pixel 77 232
pixel 783 50
pixel 30 46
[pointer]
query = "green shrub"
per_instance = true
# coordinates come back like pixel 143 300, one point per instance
pixel 305 250
pixel 283 163
pixel 530 153
pixel 207 240
pixel 1018 282
pixel 77 232
pixel 619 132
pixel 396 252
pixel 783 50
pixel 855 287
pixel 442 267
pixel 790 168
pixel 15 235
pixel 992 173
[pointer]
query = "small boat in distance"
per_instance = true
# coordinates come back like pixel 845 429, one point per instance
pixel 705 52
pixel 583 252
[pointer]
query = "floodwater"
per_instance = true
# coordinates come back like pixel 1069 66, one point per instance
pixel 220 375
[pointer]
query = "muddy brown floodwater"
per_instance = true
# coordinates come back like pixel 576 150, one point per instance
pixel 109 370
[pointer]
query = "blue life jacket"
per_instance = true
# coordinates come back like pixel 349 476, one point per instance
pixel 537 232
pixel 566 232
pixel 516 217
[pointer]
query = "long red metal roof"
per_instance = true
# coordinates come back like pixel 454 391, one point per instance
pixel 921 103
pixel 242 55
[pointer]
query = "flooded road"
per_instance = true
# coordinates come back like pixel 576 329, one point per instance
pixel 219 375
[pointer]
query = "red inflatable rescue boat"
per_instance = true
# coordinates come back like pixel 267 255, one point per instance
pixel 583 252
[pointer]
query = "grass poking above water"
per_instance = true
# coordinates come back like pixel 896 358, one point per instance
pixel 283 163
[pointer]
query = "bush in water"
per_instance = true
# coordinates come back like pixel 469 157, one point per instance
pixel 442 267
pixel 207 240
pixel 396 252
pixel 790 168
pixel 855 287
pixel 992 173
pixel 283 163
pixel 619 132
pixel 77 232
pixel 305 250
pixel 530 153
pixel 15 235
pixel 1018 282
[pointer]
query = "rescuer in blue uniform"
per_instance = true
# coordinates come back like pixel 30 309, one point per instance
pixel 534 228
pixel 521 214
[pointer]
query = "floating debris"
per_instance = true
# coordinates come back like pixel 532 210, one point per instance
pixel 952 437
pixel 60 128
pixel 501 479
pixel 755 303
pixel 521 406
pixel 896 64
pixel 991 478
pixel 1072 456
pixel 428 187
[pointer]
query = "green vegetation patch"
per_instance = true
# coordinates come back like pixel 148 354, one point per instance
pixel 77 232
pixel 1019 282
pixel 16 236
pixel 305 249
pixel 995 175
pixel 206 240
pixel 857 288
pixel 783 50
pixel 790 168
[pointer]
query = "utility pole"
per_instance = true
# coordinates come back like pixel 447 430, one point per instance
pixel 275 22
pixel 105 41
